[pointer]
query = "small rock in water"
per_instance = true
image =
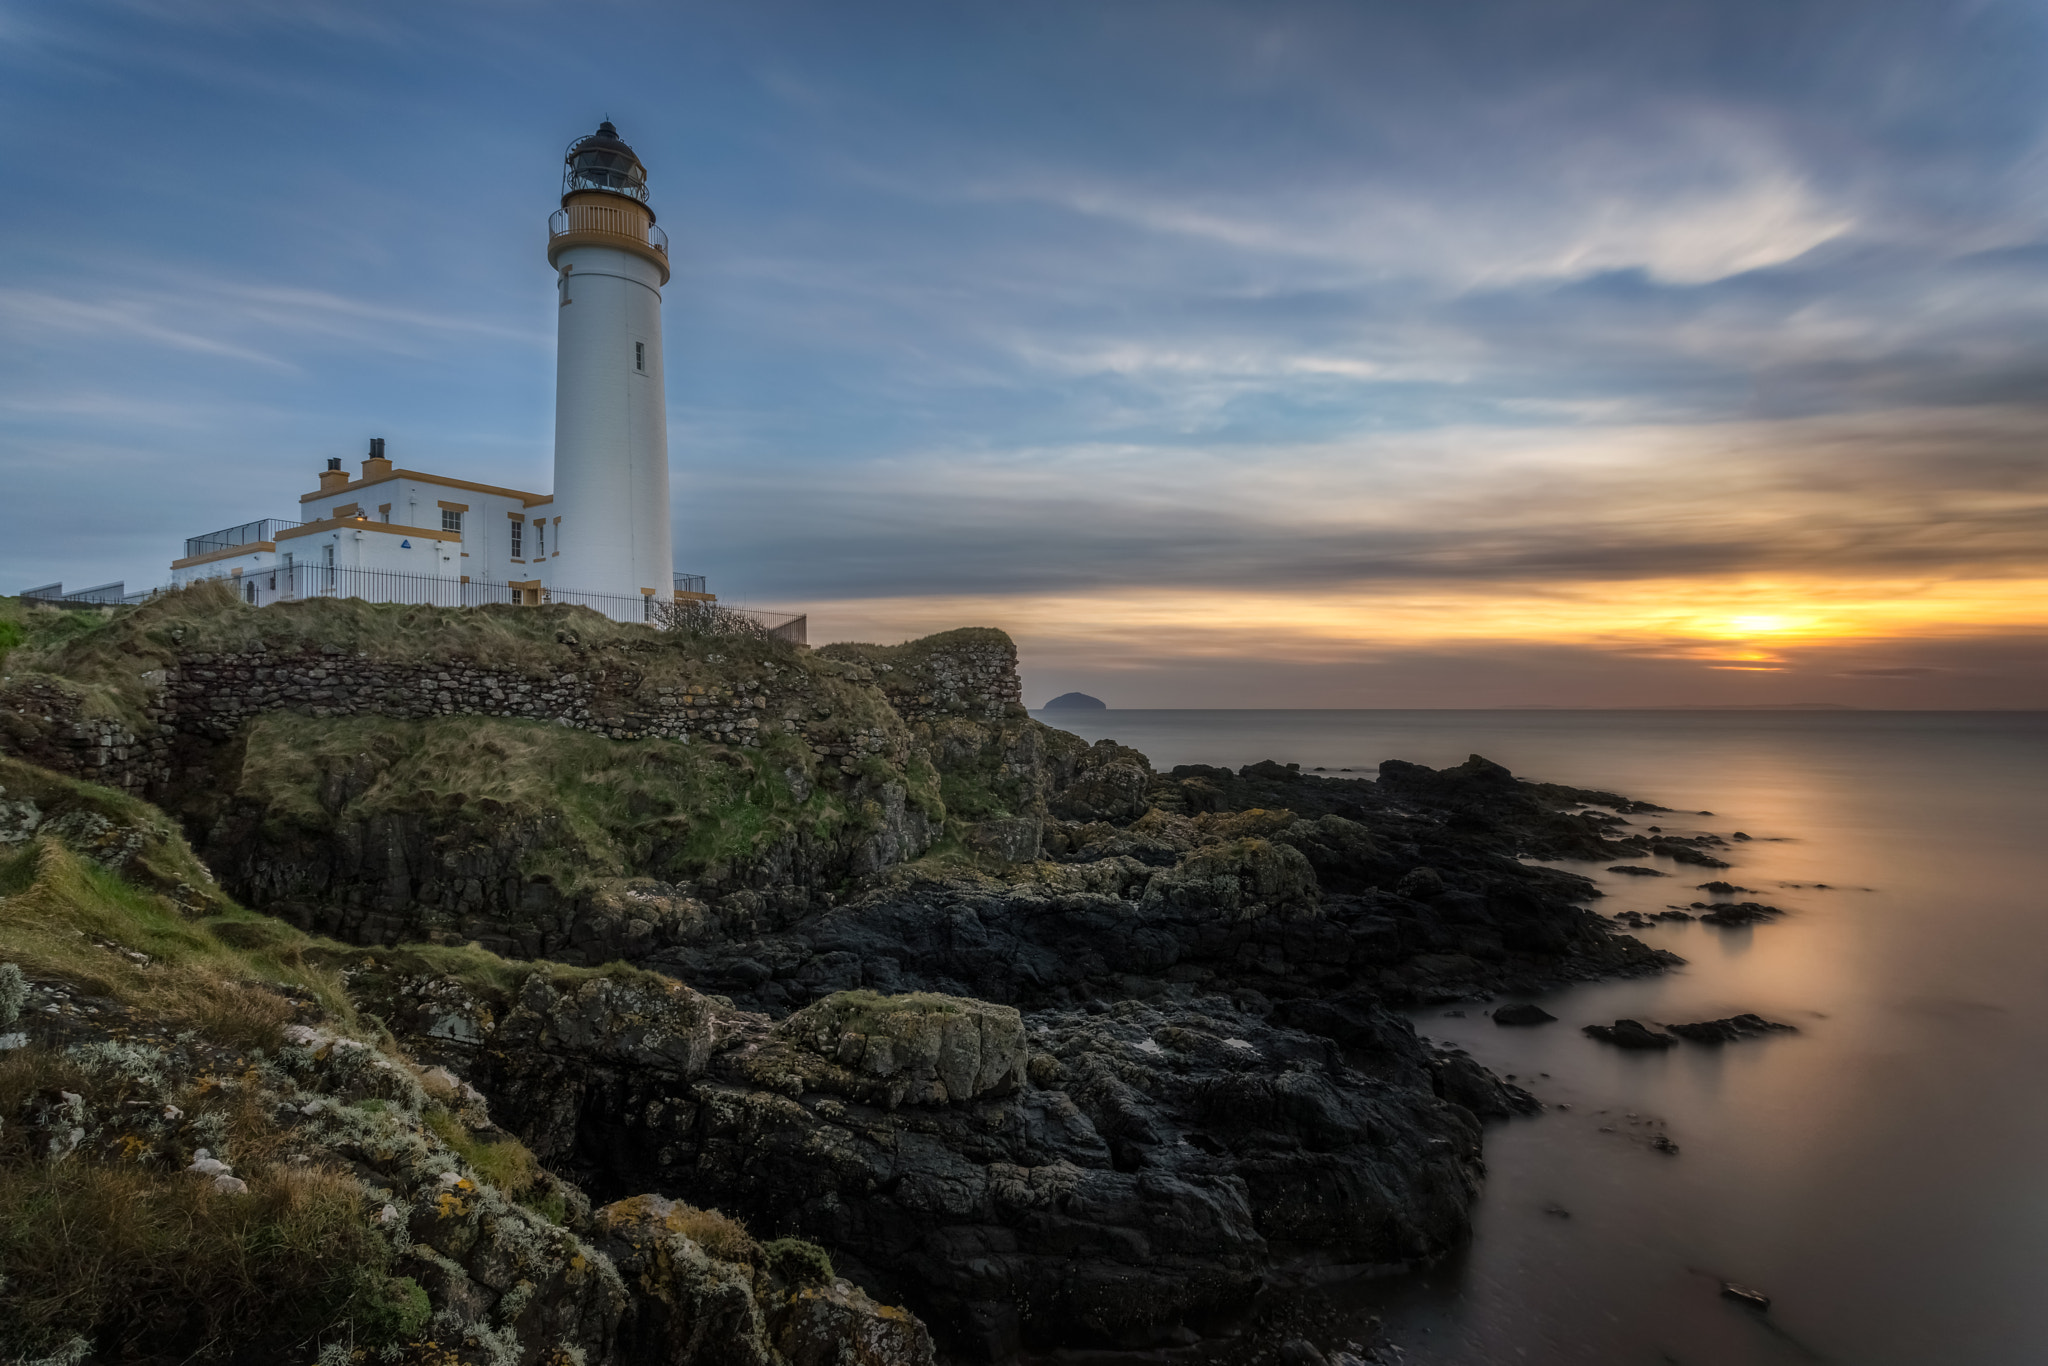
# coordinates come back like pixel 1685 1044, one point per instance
pixel 1734 1028
pixel 1629 1034
pixel 1742 1294
pixel 1522 1013
pixel 1663 1144
pixel 1739 913
pixel 1632 870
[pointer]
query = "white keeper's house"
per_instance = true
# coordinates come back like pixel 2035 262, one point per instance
pixel 601 538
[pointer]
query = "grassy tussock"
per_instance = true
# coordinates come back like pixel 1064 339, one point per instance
pixel 115 1243
pixel 62 916
pixel 113 827
pixel 504 1162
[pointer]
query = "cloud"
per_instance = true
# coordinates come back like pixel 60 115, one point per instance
pixel 33 315
pixel 1911 493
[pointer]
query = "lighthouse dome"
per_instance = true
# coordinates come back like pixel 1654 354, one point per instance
pixel 603 161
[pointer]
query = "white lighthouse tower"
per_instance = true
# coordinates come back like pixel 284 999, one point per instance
pixel 610 516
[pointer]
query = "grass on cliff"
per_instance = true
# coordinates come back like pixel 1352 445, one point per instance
pixel 585 806
pixel 123 1256
pixel 105 654
pixel 38 625
pixel 64 917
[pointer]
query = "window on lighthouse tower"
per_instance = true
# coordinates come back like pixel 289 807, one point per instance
pixel 640 356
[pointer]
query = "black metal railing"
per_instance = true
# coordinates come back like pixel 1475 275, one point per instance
pixel 100 595
pixel 290 581
pixel 607 222
pixel 248 533
pixel 690 583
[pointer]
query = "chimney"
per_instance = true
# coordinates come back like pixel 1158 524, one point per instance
pixel 334 478
pixel 376 464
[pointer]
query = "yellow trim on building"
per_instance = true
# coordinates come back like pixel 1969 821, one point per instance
pixel 362 524
pixel 246 548
pixel 454 507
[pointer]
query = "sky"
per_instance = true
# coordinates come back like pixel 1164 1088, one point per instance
pixel 1550 353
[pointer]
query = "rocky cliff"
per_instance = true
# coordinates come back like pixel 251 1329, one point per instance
pixel 207 1153
pixel 1060 1050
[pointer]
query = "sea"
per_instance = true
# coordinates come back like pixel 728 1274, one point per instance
pixel 1881 1174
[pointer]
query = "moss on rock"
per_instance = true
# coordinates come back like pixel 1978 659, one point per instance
pixel 924 1048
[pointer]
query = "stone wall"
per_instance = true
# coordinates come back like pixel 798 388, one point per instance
pixel 620 694
pixel 46 725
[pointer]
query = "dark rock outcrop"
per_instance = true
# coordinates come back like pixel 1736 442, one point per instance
pixel 1632 1034
pixel 1731 1030
pixel 1739 913
pixel 1522 1013
pixel 1063 1177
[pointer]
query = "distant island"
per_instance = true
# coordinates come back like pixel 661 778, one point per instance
pixel 1076 701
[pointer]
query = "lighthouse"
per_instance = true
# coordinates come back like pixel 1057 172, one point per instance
pixel 610 516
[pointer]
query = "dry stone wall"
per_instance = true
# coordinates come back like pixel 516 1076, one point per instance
pixel 212 696
pixel 47 725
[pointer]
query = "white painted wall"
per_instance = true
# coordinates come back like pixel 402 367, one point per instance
pixel 611 428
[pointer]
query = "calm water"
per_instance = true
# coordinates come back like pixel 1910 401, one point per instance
pixel 1883 1174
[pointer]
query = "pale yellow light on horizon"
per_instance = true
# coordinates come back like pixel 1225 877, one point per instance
pixel 1733 622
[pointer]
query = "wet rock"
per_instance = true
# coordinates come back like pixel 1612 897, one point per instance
pixel 1685 853
pixel 1464 1082
pixel 1742 1294
pixel 1739 913
pixel 1630 870
pixel 1730 1030
pixel 1522 1013
pixel 1720 888
pixel 1629 1034
pixel 1300 1352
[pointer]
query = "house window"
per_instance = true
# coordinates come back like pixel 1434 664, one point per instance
pixel 517 537
pixel 540 540
pixel 249 587
pixel 518 597
pixel 640 356
pixel 451 520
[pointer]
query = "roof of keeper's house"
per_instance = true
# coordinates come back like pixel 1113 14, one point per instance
pixel 529 499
